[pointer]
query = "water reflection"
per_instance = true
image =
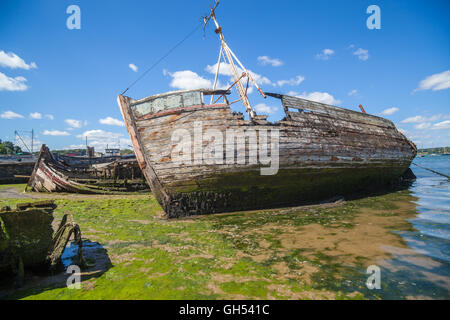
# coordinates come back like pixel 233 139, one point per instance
pixel 423 269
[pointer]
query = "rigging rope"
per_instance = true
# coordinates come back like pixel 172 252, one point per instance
pixel 163 57
pixel 439 173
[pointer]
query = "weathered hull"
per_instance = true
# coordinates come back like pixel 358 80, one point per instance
pixel 50 175
pixel 16 172
pixel 26 233
pixel 323 151
pixel 84 162
pixel 27 237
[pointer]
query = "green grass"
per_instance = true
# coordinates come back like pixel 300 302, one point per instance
pixel 207 257
pixel 19 186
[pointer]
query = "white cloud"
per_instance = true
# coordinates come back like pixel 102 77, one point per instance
pixel 362 54
pixel 226 70
pixel 25 142
pixel 10 115
pixel 423 125
pixel 325 54
pixel 74 123
pixel 414 136
pixel 421 119
pixel 435 82
pixel 99 134
pixel 35 115
pixel 187 80
pixel 75 146
pixel 438 117
pixel 133 67
pixel 322 97
pixel 100 139
pixel 263 108
pixel 12 84
pixel 112 122
pixel 292 82
pixel 353 92
pixel 11 60
pixel 389 111
pixel 50 116
pixel 265 60
pixel 442 125
pixel 415 119
pixel 411 135
pixel 55 133
pixel 259 79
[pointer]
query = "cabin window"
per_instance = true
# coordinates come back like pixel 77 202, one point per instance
pixel 192 99
pixel 170 102
pixel 173 101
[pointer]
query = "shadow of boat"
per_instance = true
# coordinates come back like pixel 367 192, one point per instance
pixel 39 280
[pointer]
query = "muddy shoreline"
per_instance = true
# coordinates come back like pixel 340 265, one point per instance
pixel 309 252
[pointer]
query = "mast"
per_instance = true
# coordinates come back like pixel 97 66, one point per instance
pixel 231 58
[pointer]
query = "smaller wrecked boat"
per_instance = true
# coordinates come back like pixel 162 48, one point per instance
pixel 51 175
pixel 16 169
pixel 27 238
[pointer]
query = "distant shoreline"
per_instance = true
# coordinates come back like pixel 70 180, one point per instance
pixel 439 150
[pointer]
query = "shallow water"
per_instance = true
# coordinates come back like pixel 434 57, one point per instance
pixel 70 254
pixel 422 269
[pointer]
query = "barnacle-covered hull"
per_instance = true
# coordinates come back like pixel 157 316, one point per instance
pixel 322 151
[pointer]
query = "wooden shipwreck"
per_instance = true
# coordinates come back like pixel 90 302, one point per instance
pixel 16 170
pixel 27 237
pixel 51 175
pixel 201 158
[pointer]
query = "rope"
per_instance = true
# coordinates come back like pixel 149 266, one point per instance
pixel 441 174
pixel 163 57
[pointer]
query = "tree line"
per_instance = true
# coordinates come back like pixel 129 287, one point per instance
pixel 7 147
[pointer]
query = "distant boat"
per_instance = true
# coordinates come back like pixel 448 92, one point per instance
pixel 324 150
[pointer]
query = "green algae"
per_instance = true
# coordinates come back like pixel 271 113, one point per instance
pixel 254 289
pixel 212 257
pixel 18 186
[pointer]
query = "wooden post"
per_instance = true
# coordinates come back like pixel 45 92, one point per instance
pixel 362 109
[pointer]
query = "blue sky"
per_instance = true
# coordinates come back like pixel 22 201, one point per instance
pixel 64 83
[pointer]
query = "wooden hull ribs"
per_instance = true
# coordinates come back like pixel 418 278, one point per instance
pixel 50 175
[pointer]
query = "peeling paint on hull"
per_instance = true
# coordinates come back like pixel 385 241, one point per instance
pixel 323 151
pixel 50 175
